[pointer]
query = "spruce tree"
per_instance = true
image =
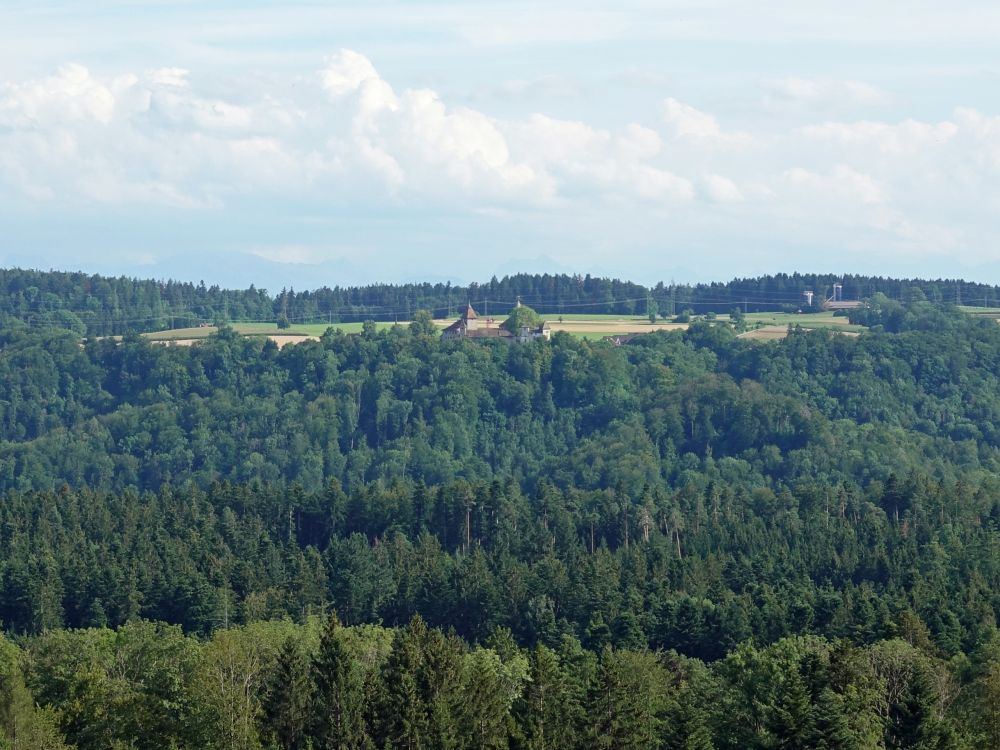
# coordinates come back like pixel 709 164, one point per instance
pixel 831 730
pixel 792 717
pixel 286 704
pixel 548 713
pixel 338 696
pixel 399 716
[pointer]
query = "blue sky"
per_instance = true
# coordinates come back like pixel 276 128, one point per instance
pixel 321 143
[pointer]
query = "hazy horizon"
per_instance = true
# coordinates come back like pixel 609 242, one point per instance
pixel 300 145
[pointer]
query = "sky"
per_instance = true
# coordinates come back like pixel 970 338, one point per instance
pixel 306 144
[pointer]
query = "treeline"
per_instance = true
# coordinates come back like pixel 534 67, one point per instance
pixel 699 569
pixel 279 685
pixel 692 540
pixel 101 306
pixel 402 404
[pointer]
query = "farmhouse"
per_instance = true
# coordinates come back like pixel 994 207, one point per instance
pixel 521 326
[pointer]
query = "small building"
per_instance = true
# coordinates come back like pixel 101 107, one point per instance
pixel 620 339
pixel 471 325
pixel 528 333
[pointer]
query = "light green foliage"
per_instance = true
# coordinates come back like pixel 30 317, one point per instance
pixel 628 701
pixel 522 317
pixel 128 686
pixel 23 725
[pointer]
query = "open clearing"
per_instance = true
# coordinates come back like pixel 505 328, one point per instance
pixel 806 320
pixel 774 326
pixel 770 326
pixel 271 330
pixel 602 325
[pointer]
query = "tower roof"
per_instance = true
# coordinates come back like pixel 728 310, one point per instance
pixel 469 313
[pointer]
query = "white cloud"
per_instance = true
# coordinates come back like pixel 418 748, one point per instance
pixel 300 255
pixel 174 77
pixel 888 138
pixel 721 189
pixel 347 136
pixel 346 71
pixel 842 183
pixel 828 92
pixel 684 121
pixel 71 95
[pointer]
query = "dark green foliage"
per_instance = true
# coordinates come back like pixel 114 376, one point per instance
pixel 550 711
pixel 336 710
pixel 417 706
pixel 831 730
pixel 691 541
pixel 417 687
pixel 288 703
pixel 628 701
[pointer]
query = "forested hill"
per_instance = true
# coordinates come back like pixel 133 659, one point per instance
pixel 95 305
pixel 689 541
pixel 402 404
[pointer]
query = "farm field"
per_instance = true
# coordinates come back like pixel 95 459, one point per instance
pixel 774 326
pixel 806 320
pixel 768 326
pixel 594 326
pixel 296 333
pixel 774 333
pixel 981 312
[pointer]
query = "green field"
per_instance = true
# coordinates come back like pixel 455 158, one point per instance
pixel 806 320
pixel 595 317
pixel 258 329
pixel 981 312
pixel 754 320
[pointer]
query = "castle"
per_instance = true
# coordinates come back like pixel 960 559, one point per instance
pixel 471 325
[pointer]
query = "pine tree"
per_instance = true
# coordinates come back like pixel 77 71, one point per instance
pixel 914 720
pixel 400 716
pixel 338 695
pixel 287 700
pixel 548 713
pixel 831 730
pixel 792 719
pixel 628 701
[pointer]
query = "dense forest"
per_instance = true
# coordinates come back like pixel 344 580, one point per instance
pixel 390 540
pixel 103 306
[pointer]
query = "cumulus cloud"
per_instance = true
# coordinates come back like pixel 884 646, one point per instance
pixel 685 121
pixel 721 189
pixel 891 138
pixel 841 183
pixel 71 95
pixel 348 136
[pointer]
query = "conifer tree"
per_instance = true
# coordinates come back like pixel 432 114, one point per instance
pixel 548 713
pixel 831 730
pixel 400 716
pixel 286 706
pixel 337 721
pixel 627 702
pixel 792 722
